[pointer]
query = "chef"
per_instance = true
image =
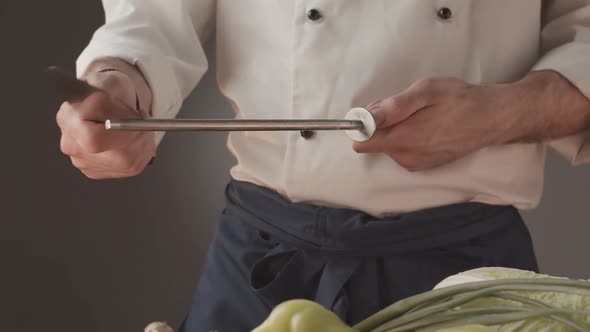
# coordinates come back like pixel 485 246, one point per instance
pixel 467 96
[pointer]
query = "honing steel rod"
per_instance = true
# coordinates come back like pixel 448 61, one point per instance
pixel 358 123
pixel 232 125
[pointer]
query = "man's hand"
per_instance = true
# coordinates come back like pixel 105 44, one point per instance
pixel 98 153
pixel 437 121
pixel 434 122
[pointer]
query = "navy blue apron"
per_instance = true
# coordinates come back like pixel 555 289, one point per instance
pixel 267 250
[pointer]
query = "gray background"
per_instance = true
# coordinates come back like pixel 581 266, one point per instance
pixel 82 255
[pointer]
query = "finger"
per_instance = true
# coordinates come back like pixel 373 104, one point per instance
pixel 409 162
pixel 84 121
pixel 60 115
pixel 125 160
pixel 372 105
pixel 378 143
pixel 395 109
pixel 106 107
pixel 81 163
pixel 88 135
pixel 69 146
pixel 113 161
pixel 94 174
pixel 71 122
pixel 401 137
pixel 64 119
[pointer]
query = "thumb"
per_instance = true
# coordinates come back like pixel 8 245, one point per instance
pixel 395 109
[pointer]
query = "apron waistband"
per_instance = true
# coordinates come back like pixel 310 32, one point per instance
pixel 336 231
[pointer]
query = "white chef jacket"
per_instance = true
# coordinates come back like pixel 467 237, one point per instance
pixel 281 59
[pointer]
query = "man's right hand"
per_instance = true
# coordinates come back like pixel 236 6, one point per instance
pixel 95 151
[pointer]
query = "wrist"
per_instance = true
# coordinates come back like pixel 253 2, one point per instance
pixel 497 102
pixel 549 107
pixel 528 107
pixel 143 92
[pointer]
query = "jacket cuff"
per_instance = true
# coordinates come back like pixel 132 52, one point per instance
pixel 166 99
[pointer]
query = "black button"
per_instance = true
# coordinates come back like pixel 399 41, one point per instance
pixel 314 14
pixel 307 134
pixel 445 13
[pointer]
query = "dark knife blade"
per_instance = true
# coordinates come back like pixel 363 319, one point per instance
pixel 66 86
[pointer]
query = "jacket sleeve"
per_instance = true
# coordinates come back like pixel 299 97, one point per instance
pixel 164 39
pixel 565 44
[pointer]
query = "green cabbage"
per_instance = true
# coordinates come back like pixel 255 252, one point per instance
pixel 574 302
pixel 469 328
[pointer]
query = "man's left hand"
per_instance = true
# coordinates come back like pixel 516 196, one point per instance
pixel 437 121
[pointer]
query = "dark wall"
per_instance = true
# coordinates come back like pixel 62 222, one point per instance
pixel 83 255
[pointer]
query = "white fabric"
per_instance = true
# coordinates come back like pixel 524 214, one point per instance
pixel 158 327
pixel 274 62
